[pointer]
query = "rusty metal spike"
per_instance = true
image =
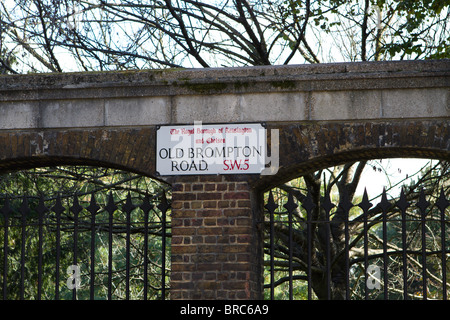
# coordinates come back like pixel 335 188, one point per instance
pixel 24 208
pixel 442 203
pixel 402 203
pixel 93 207
pixel 290 205
pixel 384 204
pixel 271 206
pixel 164 205
pixel 345 204
pixel 6 209
pixel 308 203
pixel 41 208
pixel 58 207
pixel 128 206
pixel 326 203
pixel 422 204
pixel 76 208
pixel 365 204
pixel 146 206
pixel 110 206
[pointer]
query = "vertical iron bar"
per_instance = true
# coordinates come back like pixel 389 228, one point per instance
pixel 442 204
pixel 272 257
pixel 6 210
pixel 422 204
pixel 25 211
pixel 128 207
pixel 163 206
pixel 290 206
pixel 58 255
pixel 345 205
pixel 127 292
pixel 424 257
pixel 110 208
pixel 163 258
pixel 365 205
pixel 385 259
pixel 110 254
pixel 347 258
pixel 58 209
pixel 40 236
pixel 41 209
pixel 91 289
pixel 366 257
pixel 145 255
pixel 327 205
pixel 290 255
pixel 271 207
pixel 385 205
pixel 308 205
pixel 146 207
pixel 328 253
pixel 76 209
pixel 93 208
pixel 75 246
pixel 443 258
pixel 402 204
pixel 309 262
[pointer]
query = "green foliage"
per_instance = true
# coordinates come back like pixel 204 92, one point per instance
pixel 401 235
pixel 23 249
pixel 83 36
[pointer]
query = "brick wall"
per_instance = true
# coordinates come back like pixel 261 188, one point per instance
pixel 216 244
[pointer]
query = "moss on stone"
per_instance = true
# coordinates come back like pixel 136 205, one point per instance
pixel 283 84
pixel 204 87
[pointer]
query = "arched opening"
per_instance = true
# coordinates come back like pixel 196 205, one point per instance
pixel 83 231
pixel 337 233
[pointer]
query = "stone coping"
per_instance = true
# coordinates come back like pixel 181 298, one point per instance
pixel 307 77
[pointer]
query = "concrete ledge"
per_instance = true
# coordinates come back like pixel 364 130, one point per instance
pixel 333 76
pixel 354 105
pixel 325 92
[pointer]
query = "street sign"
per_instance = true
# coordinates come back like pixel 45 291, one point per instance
pixel 211 149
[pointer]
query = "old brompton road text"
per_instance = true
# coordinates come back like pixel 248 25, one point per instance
pixel 211 149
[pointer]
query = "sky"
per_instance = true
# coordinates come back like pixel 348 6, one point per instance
pixel 397 169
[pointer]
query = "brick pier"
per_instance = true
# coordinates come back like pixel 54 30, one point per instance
pixel 326 114
pixel 216 244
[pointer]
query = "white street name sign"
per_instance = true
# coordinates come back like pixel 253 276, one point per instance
pixel 211 149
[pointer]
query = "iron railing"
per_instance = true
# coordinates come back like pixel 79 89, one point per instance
pixel 56 250
pixel 394 250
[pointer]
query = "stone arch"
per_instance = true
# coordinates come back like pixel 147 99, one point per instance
pixel 130 149
pixel 310 147
pixel 52 232
pixel 318 146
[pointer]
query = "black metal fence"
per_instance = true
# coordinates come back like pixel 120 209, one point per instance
pixel 53 249
pixel 394 250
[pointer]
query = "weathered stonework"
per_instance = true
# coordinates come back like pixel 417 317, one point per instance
pixel 216 249
pixel 311 146
pixel 325 115
pixel 123 148
pixel 339 91
pixel 303 146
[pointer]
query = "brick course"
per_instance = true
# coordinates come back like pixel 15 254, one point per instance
pixel 329 114
pixel 216 245
pixel 214 259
